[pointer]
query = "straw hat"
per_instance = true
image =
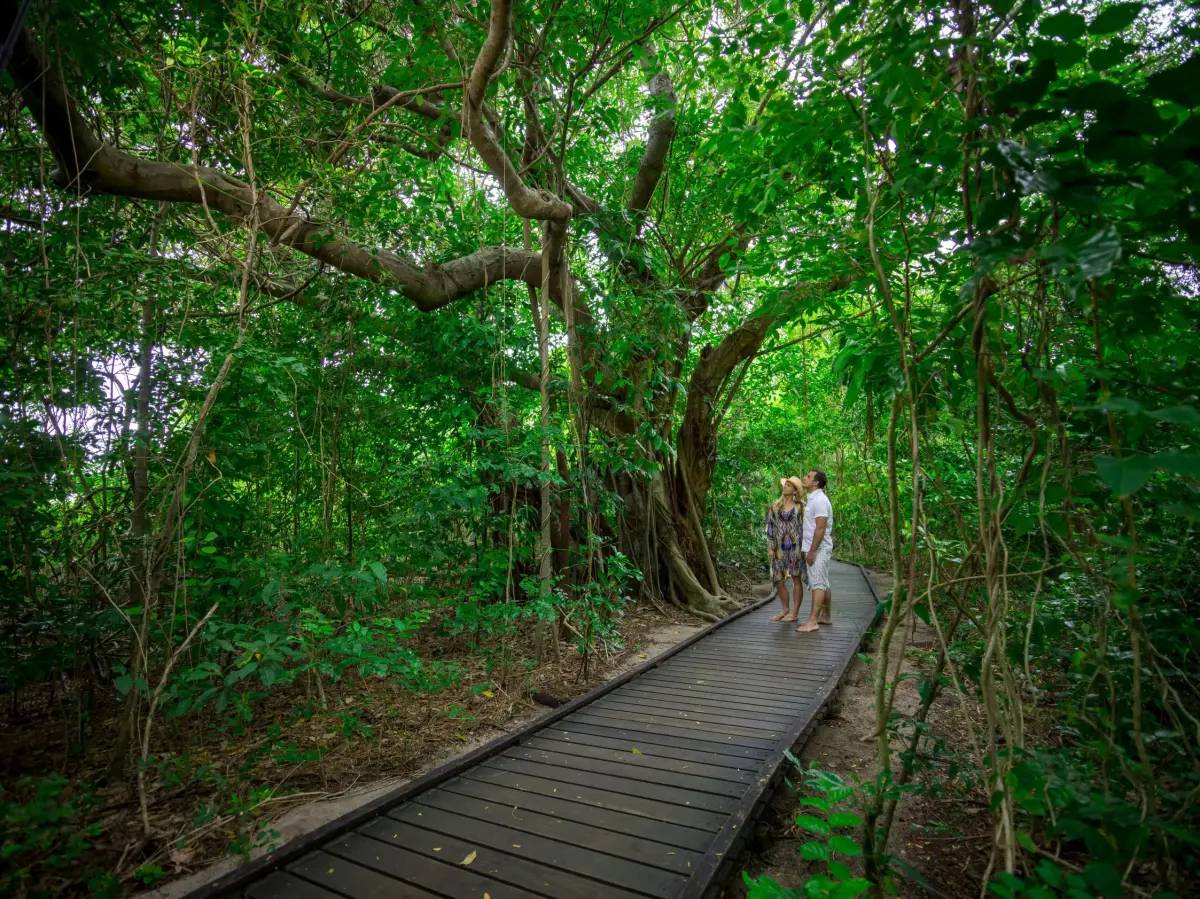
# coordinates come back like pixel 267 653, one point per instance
pixel 795 482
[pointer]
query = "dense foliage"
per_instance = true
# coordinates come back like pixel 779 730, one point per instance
pixel 328 326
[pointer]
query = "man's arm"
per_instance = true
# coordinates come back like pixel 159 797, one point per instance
pixel 818 535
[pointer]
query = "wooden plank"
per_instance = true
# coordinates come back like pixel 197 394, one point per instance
pixel 774 715
pixel 744 679
pixel 811 660
pixel 751 754
pixel 629 771
pixel 281 885
pixel 646 758
pixel 742 676
pixel 571 809
pixel 354 880
pixel 757 733
pixel 620 872
pixel 500 866
pixel 724 716
pixel 654 852
pixel 808 648
pixel 701 695
pixel 768 717
pixel 573 778
pixel 783 658
pixel 693 735
pixel 443 876
pixel 679 679
pixel 578 738
pixel 594 797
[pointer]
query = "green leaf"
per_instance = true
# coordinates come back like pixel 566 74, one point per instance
pixel 844 819
pixel 1180 84
pixel 124 684
pixel 1180 462
pixel 840 870
pixel 1067 25
pixel 1104 58
pixel 850 888
pixel 379 571
pixel 1184 416
pixel 1105 880
pixel 1115 18
pixel 844 845
pixel 1098 253
pixel 811 824
pixel 815 852
pixel 1125 475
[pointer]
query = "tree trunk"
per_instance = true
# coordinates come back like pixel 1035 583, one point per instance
pixel 139 521
pixel 543 633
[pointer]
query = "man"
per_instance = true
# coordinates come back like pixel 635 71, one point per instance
pixel 816 543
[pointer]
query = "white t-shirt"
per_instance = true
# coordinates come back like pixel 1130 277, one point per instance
pixel 817 507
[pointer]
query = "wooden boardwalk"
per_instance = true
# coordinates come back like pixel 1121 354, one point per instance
pixel 642 788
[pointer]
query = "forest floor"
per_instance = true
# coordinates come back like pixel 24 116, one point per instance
pixel 221 796
pixel 942 833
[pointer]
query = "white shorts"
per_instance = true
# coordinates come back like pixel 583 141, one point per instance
pixel 818 571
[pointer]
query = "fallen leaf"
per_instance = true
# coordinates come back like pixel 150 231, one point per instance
pixel 516 845
pixel 636 751
pixel 470 858
pixel 437 848
pixel 330 871
pixel 488 693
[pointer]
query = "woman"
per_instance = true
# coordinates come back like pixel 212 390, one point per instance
pixel 784 522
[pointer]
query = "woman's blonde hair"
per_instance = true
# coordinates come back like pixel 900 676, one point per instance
pixel 797 485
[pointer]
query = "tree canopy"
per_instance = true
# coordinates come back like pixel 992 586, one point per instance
pixel 332 325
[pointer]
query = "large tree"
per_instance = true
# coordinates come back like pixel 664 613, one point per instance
pixel 325 129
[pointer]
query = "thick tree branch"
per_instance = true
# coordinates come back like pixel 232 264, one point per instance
pixel 527 202
pixel 697 442
pixel 87 164
pixel 663 105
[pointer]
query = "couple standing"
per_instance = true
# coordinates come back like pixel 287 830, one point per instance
pixel 800 545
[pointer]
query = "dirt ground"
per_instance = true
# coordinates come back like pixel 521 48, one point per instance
pixel 648 632
pixel 945 836
pixel 286 773
pixel 413 733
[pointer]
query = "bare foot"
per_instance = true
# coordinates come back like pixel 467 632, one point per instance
pixel 807 628
pixel 782 616
pixel 790 617
pixel 825 619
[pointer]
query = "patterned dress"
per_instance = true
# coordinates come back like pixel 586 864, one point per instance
pixel 783 536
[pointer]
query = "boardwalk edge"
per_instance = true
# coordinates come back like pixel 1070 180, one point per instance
pixel 709 879
pixel 305 843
